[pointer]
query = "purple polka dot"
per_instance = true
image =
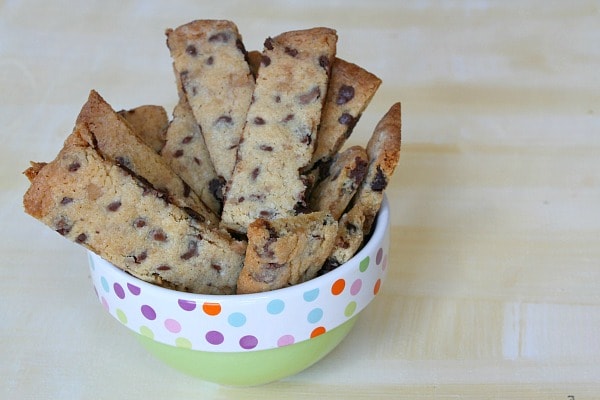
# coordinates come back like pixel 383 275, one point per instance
pixel 134 290
pixel 379 256
pixel 119 290
pixel 172 325
pixel 355 288
pixel 187 305
pixel 148 312
pixel 214 337
pixel 285 340
pixel 104 303
pixel 248 342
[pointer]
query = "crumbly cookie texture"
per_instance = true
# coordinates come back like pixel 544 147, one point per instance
pixel 383 151
pixel 210 58
pixel 278 139
pixel 342 178
pixel 115 140
pixel 102 206
pixel 350 91
pixel 186 153
pixel 149 122
pixel 286 251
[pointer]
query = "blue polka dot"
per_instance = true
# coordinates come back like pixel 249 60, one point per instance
pixel 315 315
pixel 311 295
pixel 236 319
pixel 275 306
pixel 104 284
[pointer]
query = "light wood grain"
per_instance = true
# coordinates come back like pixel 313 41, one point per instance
pixel 494 282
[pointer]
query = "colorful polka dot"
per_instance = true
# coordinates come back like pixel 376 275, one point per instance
pixel 315 315
pixel 379 256
pixel 285 340
pixel 384 264
pixel 145 331
pixel 104 284
pixel 317 331
pixel 148 312
pixel 377 287
pixel 364 264
pixel 119 290
pixel 211 308
pixel 187 305
pixel 350 308
pixel 183 343
pixel 338 287
pixel 275 306
pixel 121 316
pixel 236 319
pixel 172 325
pixel 311 295
pixel 134 290
pixel 248 342
pixel 355 288
pixel 214 337
pixel 104 303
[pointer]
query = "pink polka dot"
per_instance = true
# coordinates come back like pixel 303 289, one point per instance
pixel 285 340
pixel 355 288
pixel 172 325
pixel 384 264
pixel 104 303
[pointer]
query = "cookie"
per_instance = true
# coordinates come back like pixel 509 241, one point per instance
pixel 186 153
pixel 104 207
pixel 278 139
pixel 114 139
pixel 348 240
pixel 149 122
pixel 350 91
pixel 285 251
pixel 210 59
pixel 342 176
pixel 254 60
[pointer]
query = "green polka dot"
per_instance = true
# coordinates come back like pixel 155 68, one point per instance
pixel 144 330
pixel 183 343
pixel 121 316
pixel 364 264
pixel 350 308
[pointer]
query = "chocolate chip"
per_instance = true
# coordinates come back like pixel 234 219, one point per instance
pixel 191 50
pixel 358 173
pixel 257 197
pixel 219 37
pixel 192 250
pixel 265 214
pixel 324 62
pixel 265 147
pixel 259 121
pixel 346 119
pixel 210 60
pixel 140 257
pixel 66 200
pixel 81 238
pixel 224 119
pixel 288 118
pixel 255 173
pixel 269 43
pixel 290 51
pixel 379 183
pixel 241 199
pixel 178 153
pixel 306 139
pixel 159 235
pixel 216 267
pixel 197 161
pixel 277 99
pixel 240 46
pixel 194 214
pixel 114 206
pixel 139 222
pixel 187 139
pixel 74 166
pixel 345 94
pixel 310 96
pixel 63 226
pixel 163 268
pixel 265 60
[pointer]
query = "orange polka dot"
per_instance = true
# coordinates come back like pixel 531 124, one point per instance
pixel 338 287
pixel 211 308
pixel 319 330
pixel 377 286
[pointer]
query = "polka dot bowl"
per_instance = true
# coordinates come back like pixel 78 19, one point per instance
pixel 250 339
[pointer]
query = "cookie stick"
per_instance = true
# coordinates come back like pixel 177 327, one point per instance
pixel 149 122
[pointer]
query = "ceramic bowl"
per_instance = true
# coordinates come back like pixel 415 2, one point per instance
pixel 250 339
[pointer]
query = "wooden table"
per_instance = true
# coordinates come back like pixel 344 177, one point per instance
pixel 494 282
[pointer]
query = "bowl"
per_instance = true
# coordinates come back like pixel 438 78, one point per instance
pixel 249 339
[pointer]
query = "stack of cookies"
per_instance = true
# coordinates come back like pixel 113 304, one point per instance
pixel 247 188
